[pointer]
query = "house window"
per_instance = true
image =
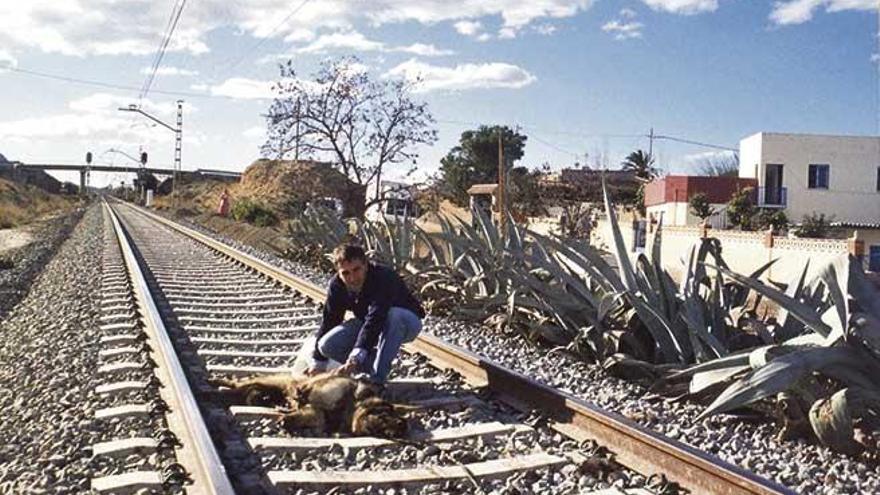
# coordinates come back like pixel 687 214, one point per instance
pixel 874 259
pixel 818 176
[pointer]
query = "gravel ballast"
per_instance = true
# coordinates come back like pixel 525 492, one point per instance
pixel 48 355
pixel 799 465
pixel 20 265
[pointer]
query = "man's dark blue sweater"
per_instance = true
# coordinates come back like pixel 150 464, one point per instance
pixel 383 289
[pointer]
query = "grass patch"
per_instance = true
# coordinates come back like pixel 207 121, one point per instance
pixel 247 210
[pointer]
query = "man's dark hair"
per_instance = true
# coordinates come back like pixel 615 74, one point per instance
pixel 348 252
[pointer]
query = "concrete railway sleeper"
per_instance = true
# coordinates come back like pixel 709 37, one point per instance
pixel 475 427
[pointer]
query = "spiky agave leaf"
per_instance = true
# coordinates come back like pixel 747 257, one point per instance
pixel 832 418
pixel 802 312
pixel 778 375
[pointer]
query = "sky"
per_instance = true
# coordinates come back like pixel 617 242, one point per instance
pixel 585 80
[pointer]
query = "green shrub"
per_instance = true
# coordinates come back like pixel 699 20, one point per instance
pixel 769 217
pixel 700 206
pixel 815 225
pixel 247 210
pixel 741 209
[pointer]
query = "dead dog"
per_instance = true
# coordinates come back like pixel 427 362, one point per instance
pixel 323 404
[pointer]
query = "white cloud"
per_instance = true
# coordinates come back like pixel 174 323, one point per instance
pixel 353 40
pixel 468 28
pixel 244 89
pixel 97 119
pixel 800 11
pixel 7 60
pixel 686 7
pixel 88 27
pixel 106 102
pixel 507 33
pixel 623 30
pixel 170 71
pixel 795 12
pixel 545 29
pixel 300 35
pixel 257 133
pixel 461 77
pixel 473 29
pixel 424 50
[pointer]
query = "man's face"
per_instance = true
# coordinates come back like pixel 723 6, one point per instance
pixel 353 273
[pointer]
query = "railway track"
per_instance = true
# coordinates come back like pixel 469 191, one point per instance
pixel 181 308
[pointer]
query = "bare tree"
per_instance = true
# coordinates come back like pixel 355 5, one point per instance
pixel 718 164
pixel 344 116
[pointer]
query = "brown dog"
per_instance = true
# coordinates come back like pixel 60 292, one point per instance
pixel 323 404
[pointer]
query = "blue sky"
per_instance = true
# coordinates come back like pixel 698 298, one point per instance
pixel 582 77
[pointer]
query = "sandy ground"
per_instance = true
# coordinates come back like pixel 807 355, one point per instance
pixel 14 238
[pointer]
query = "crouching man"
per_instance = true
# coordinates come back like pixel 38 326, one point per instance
pixel 386 314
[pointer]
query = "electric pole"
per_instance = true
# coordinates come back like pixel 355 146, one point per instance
pixel 178 145
pixel 502 218
pixel 651 143
pixel 178 142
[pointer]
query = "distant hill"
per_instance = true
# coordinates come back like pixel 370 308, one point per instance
pixel 21 204
pixel 36 178
pixel 280 185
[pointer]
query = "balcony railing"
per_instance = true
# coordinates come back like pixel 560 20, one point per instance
pixel 773 197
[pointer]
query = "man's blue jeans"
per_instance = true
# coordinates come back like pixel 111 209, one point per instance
pixel 401 325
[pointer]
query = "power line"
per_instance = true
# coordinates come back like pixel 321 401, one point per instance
pixel 263 39
pixel 102 84
pixel 695 143
pixel 555 147
pixel 162 48
pixel 165 32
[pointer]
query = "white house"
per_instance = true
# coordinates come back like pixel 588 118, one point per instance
pixel 395 200
pixel 806 173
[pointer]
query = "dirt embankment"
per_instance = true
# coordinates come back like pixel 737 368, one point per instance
pixel 282 186
pixel 21 204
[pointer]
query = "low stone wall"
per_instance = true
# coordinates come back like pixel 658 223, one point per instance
pixel 745 252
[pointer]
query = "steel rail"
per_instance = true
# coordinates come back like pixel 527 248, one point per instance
pixel 634 446
pixel 200 456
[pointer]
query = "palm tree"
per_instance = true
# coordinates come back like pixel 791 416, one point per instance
pixel 641 164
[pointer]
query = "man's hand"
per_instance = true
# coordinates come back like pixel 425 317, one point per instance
pixel 316 367
pixel 347 368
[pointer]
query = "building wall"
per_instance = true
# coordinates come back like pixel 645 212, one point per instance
pixel 745 252
pixel 852 190
pixel 679 214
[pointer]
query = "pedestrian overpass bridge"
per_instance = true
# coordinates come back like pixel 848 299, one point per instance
pixel 85 169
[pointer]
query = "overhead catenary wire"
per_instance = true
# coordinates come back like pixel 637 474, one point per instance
pixel 120 87
pixel 163 47
pixel 262 40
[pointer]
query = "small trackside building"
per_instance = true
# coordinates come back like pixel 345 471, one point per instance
pixel 667 198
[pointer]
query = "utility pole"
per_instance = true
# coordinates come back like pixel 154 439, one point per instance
pixel 502 211
pixel 178 145
pixel 651 142
pixel 178 141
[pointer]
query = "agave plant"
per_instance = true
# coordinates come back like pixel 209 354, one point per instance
pixel 513 280
pixel 701 317
pixel 836 340
pixel 312 236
